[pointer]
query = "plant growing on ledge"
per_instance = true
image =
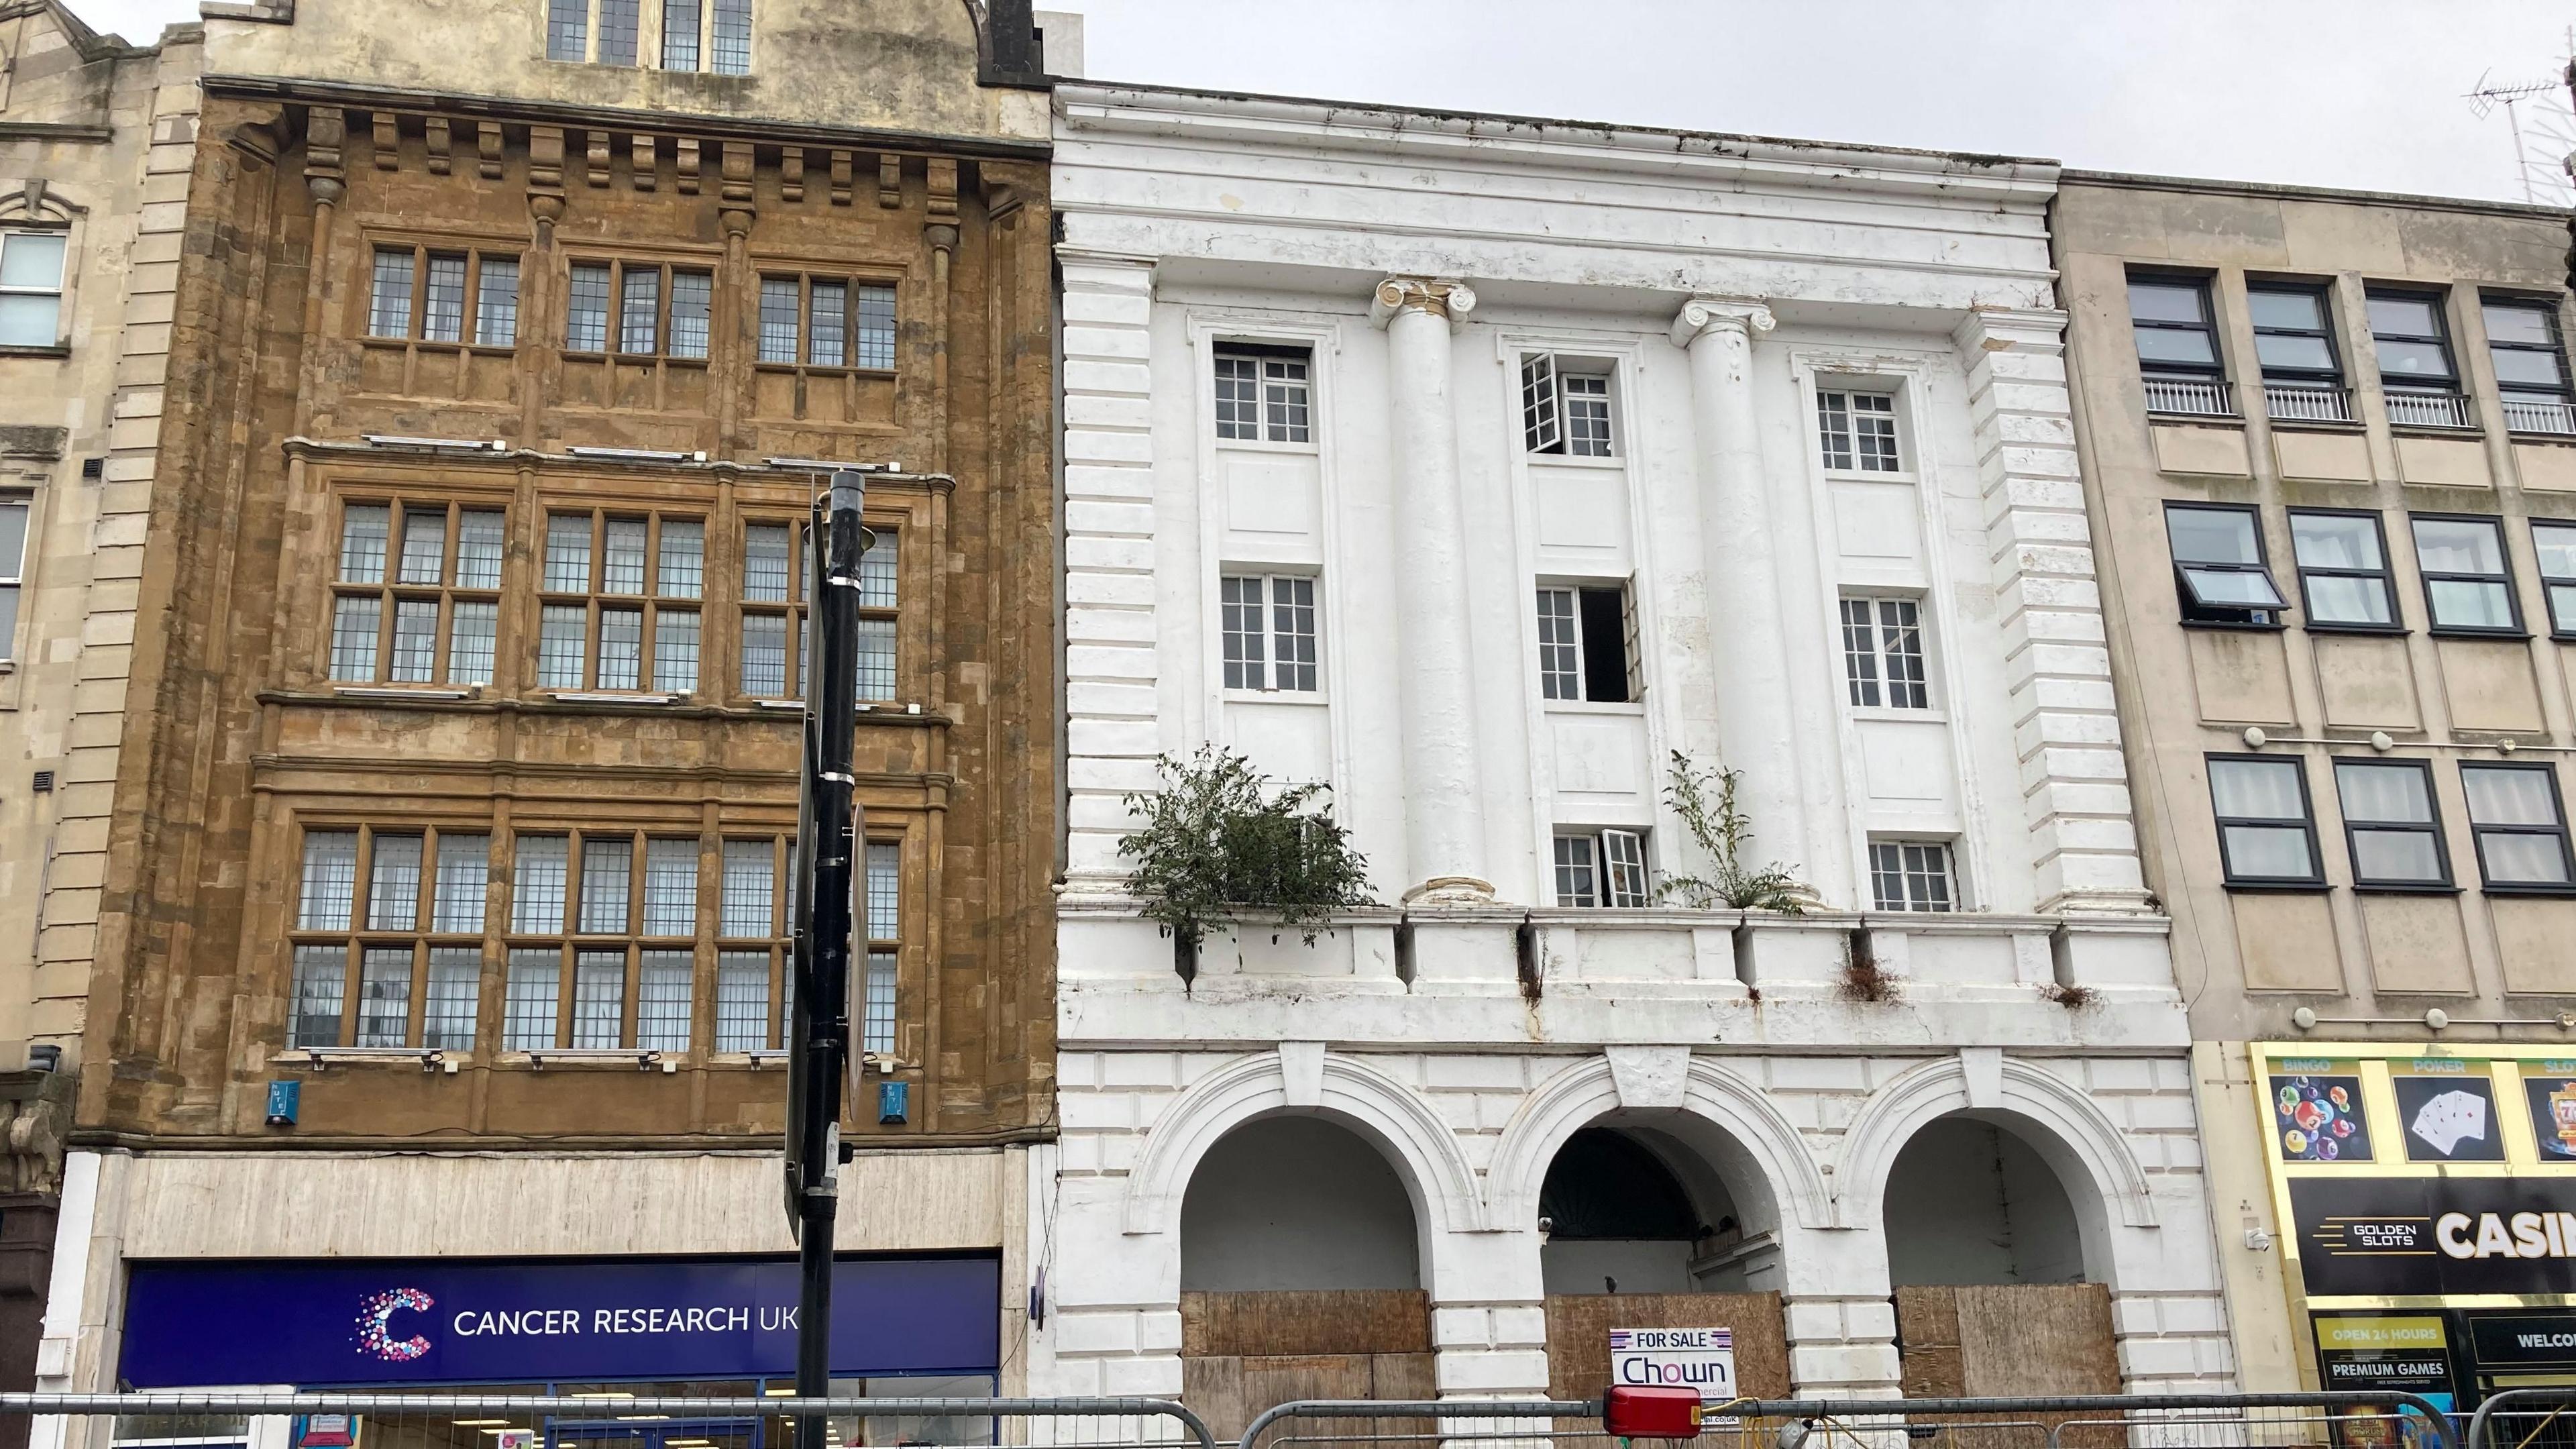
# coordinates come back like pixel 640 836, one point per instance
pixel 1219 842
pixel 1704 797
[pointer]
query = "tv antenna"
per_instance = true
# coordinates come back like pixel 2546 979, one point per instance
pixel 2483 101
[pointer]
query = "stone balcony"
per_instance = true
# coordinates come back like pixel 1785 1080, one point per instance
pixel 1598 977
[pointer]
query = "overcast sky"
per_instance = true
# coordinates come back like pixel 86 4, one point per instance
pixel 2358 93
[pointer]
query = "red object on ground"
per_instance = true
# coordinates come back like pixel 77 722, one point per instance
pixel 1642 1411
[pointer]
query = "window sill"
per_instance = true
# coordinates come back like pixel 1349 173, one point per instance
pixel 2224 628
pixel 1862 475
pixel 63 349
pixel 2317 425
pixel 639 358
pixel 322 1058
pixel 1894 715
pixel 2280 887
pixel 2223 420
pixel 2501 636
pixel 1274 696
pixel 2561 892
pixel 813 369
pixel 1636 708
pixel 404 691
pixel 2401 888
pixel 2437 430
pixel 2534 435
pixel 632 1059
pixel 2374 631
pixel 1264 445
pixel 650 701
pixel 1613 463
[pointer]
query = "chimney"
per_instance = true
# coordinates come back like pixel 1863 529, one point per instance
pixel 1011 44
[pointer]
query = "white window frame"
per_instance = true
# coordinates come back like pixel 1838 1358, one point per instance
pixel 1880 690
pixel 1632 639
pixel 1616 872
pixel 1857 404
pixel 1558 419
pixel 13 574
pixel 1262 676
pixel 60 291
pixel 1284 412
pixel 1906 874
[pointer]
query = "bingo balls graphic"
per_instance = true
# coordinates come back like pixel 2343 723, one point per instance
pixel 2295 1140
pixel 375 1333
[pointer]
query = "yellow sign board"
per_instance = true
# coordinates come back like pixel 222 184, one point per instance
pixel 2363 1335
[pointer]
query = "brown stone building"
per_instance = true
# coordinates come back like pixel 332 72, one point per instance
pixel 445 907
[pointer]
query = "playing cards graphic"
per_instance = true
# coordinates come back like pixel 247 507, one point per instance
pixel 2446 1119
pixel 2449 1110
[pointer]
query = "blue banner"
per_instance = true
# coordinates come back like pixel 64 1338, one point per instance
pixel 420 1321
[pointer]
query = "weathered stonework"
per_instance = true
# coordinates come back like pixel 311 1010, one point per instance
pixel 414 300
pixel 96 140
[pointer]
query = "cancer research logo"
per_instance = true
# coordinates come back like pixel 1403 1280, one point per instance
pixel 375 1330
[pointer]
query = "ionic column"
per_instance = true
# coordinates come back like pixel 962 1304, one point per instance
pixel 1444 817
pixel 1754 719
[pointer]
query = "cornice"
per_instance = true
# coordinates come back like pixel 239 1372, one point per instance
pixel 558 113
pixel 449 454
pixel 1489 139
pixel 2411 201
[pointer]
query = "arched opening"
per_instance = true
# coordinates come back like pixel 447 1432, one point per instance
pixel 1970 1202
pixel 1658 1219
pixel 1988 1242
pixel 1301 1273
pixel 1297 1203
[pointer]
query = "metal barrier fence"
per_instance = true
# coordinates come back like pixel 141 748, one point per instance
pixel 2113 1421
pixel 2524 1419
pixel 612 1418
pixel 608 1418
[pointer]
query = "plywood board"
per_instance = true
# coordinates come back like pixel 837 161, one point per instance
pixel 1315 1321
pixel 1579 1324
pixel 1230 1391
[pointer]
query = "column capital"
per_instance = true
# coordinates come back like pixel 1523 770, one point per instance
pixel 1703 315
pixel 1436 296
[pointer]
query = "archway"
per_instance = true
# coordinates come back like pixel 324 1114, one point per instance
pixel 1301 1272
pixel 1658 1218
pixel 1988 1247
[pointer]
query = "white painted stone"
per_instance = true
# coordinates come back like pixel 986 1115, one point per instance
pixel 1723 287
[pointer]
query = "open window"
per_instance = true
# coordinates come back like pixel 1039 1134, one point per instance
pixel 2219 568
pixel 1565 406
pixel 1602 868
pixel 1587 644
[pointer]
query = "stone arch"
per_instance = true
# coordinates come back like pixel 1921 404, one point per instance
pixel 1301 1076
pixel 1658 1077
pixel 2090 1153
pixel 37 204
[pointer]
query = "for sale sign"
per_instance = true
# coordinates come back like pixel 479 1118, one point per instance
pixel 1692 1358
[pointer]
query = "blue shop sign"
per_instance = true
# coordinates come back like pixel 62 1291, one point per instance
pixel 399 1321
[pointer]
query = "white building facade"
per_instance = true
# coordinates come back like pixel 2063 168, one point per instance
pixel 1475 468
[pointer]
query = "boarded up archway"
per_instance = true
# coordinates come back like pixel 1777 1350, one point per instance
pixel 1300 1275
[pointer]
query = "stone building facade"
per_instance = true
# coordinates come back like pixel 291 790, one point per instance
pixel 2331 442
pixel 445 898
pixel 1474 467
pixel 96 141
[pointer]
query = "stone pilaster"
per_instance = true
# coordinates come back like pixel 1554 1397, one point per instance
pixel 1112 734
pixel 2075 784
